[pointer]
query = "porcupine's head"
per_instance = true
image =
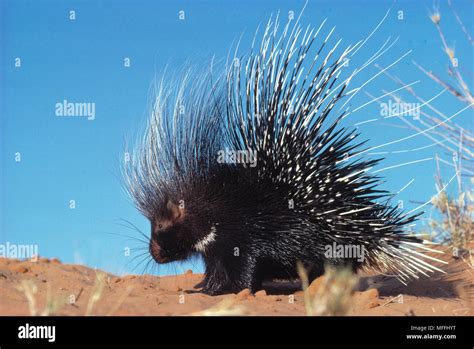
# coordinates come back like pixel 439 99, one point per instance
pixel 168 168
pixel 168 229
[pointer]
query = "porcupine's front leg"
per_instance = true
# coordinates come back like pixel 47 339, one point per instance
pixel 230 276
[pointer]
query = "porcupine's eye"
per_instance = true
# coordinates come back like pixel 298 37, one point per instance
pixel 170 216
pixel 160 226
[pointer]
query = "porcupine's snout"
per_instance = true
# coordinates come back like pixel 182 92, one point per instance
pixel 164 245
pixel 169 246
pixel 158 253
pixel 170 240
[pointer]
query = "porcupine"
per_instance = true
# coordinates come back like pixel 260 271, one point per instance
pixel 307 188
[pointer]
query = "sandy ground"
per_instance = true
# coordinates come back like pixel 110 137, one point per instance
pixel 46 286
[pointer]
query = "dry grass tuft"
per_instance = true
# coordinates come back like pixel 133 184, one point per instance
pixel 333 297
pixel 30 290
pixel 96 292
pixel 455 223
pixel 228 307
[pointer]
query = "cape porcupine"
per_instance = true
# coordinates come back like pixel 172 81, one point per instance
pixel 304 191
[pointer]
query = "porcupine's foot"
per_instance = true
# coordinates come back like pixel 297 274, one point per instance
pixel 219 281
pixel 214 286
pixel 214 289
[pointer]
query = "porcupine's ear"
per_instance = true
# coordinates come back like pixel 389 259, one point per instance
pixel 176 212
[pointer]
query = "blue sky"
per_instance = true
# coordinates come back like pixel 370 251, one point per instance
pixel 82 60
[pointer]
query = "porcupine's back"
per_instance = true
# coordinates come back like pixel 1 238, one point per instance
pixel 288 110
pixel 308 189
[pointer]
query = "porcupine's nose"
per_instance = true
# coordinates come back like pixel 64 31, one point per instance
pixel 157 252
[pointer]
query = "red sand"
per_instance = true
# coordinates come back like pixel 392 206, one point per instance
pixel 70 290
